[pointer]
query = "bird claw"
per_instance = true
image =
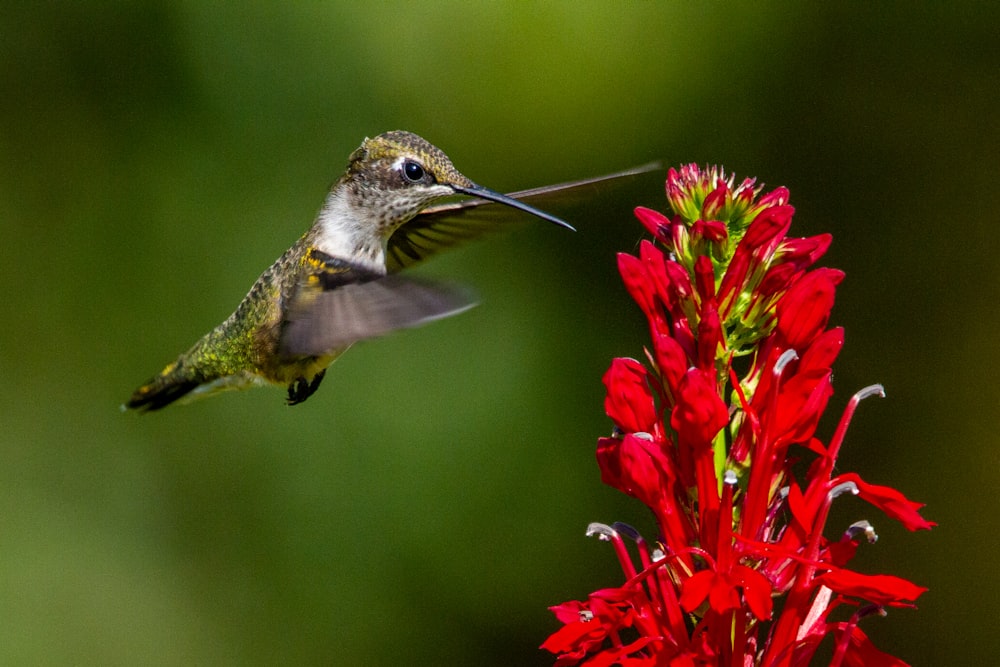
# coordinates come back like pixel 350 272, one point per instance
pixel 301 388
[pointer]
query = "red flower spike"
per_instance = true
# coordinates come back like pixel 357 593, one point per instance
pixel 740 530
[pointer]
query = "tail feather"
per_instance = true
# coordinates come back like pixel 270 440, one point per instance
pixel 173 383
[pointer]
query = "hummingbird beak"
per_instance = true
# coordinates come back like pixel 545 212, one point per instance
pixel 484 193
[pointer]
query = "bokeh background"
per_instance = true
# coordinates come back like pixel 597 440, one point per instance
pixel 429 503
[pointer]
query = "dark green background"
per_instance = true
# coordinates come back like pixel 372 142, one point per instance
pixel 430 501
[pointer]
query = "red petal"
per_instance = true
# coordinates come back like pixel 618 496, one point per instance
pixel 678 288
pixel 803 513
pixel 609 461
pixel 629 400
pixel 884 589
pixel 655 222
pixel 670 359
pixel 709 336
pixel 704 275
pixel 568 612
pixel 890 501
pixel 636 466
pixel 643 290
pixel 699 413
pixel 801 402
pixel 862 653
pixel 756 591
pixel 823 351
pixel 575 637
pixel 777 279
pixel 802 253
pixel 695 589
pixel 715 200
pixel 710 230
pixel 734 280
pixel 805 309
pixel 776 197
pixel 723 595
pixel 768 228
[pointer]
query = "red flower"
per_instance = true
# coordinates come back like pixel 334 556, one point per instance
pixel 724 590
pixel 629 401
pixel 741 572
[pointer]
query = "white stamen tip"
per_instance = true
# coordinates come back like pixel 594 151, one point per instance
pixel 871 390
pixel 862 528
pixel 602 530
pixel 840 489
pixel 786 358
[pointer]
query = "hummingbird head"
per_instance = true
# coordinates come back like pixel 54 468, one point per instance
pixel 397 174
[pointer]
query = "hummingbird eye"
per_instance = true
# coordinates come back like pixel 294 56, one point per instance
pixel 413 171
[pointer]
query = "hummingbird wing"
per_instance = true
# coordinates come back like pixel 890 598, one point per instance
pixel 337 303
pixel 437 228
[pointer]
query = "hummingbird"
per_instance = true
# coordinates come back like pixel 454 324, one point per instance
pixel 340 283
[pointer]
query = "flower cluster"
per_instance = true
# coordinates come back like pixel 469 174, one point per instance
pixel 715 434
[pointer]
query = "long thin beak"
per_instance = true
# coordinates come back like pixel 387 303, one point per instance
pixel 484 193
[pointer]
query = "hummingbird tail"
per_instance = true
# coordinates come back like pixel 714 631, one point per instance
pixel 173 383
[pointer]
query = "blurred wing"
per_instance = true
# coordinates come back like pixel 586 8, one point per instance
pixel 439 227
pixel 338 303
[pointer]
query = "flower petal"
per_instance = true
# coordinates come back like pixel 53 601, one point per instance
pixel 671 360
pixel 805 309
pixel 862 653
pixel 699 413
pixel 756 590
pixel 696 588
pixel 884 589
pixel 655 223
pixel 890 501
pixel 636 466
pixel 629 400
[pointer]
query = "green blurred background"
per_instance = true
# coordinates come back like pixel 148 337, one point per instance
pixel 429 503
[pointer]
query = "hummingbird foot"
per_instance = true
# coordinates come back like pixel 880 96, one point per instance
pixel 301 388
